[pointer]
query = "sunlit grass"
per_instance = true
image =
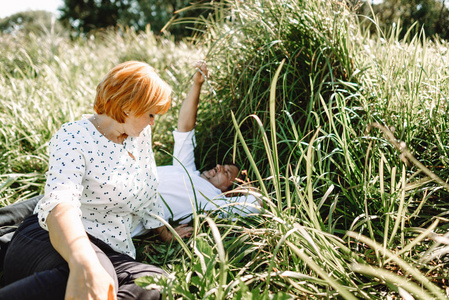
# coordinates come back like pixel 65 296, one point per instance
pixel 49 80
pixel 306 142
pixel 345 135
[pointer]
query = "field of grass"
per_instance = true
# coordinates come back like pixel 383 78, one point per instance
pixel 346 134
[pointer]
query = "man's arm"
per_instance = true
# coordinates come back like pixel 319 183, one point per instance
pixel 189 108
pixel 245 191
pixel 165 235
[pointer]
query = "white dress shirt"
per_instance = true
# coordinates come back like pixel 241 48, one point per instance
pixel 182 188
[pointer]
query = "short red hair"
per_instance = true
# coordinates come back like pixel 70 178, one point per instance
pixel 132 86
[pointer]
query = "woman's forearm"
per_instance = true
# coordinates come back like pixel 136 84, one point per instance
pixel 87 278
pixel 68 236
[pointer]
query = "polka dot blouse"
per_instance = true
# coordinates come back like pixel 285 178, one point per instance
pixel 112 191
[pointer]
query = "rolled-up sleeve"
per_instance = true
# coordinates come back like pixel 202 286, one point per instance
pixel 65 175
pixel 149 221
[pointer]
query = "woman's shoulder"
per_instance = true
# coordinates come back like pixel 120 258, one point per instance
pixel 79 126
pixel 75 125
pixel 75 130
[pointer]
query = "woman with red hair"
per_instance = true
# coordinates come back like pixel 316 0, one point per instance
pixel 101 188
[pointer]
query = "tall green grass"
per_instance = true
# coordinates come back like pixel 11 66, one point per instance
pixel 347 141
pixel 344 133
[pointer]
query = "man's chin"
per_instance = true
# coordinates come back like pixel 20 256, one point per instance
pixel 205 176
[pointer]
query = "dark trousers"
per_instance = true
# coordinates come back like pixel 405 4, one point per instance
pixel 33 269
pixel 10 218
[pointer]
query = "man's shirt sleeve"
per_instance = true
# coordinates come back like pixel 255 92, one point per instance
pixel 183 152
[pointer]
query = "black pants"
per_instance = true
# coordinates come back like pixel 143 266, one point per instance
pixel 33 269
pixel 10 217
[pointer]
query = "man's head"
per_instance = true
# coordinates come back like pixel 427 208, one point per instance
pixel 222 176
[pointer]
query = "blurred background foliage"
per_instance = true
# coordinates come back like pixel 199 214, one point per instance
pixel 36 22
pixel 432 15
pixel 83 17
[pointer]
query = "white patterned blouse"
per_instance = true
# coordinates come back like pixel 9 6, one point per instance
pixel 113 192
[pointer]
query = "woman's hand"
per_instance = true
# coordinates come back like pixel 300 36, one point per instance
pixel 89 280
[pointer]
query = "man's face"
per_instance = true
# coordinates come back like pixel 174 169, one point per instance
pixel 221 176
